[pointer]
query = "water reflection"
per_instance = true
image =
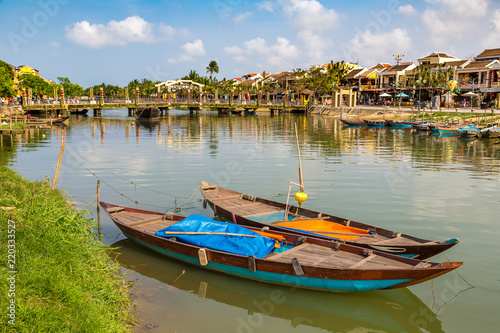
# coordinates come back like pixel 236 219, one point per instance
pixel 388 311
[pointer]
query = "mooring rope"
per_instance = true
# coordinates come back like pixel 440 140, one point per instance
pixel 127 180
pixel 176 208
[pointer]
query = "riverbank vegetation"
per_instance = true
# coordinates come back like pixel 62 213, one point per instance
pixel 63 280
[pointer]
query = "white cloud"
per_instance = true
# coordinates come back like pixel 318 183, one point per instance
pixel 133 29
pixel 370 48
pixel 266 6
pixel 454 19
pixel 55 44
pixel 242 17
pixel 257 52
pixel 310 15
pixel 407 10
pixel 191 50
pixel 492 39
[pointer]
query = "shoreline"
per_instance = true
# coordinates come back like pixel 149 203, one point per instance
pixel 61 275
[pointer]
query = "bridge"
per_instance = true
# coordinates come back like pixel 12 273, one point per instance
pixel 224 106
pixel 166 101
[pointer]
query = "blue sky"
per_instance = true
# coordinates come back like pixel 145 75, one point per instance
pixel 91 42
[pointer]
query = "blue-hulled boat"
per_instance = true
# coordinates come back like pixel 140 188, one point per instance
pixel 399 124
pixel 469 131
pixel 271 256
pixel 376 123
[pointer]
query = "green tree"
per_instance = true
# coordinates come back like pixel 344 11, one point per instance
pixel 36 83
pixel 70 89
pixel 212 67
pixel 6 83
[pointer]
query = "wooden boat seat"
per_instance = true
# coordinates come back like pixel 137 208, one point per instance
pixel 362 262
pixel 291 251
pixel 115 209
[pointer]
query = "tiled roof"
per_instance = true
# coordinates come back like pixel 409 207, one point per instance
pixel 477 64
pixel 368 72
pixel 489 52
pixel 455 63
pixel 437 55
pixel 354 72
pixel 380 65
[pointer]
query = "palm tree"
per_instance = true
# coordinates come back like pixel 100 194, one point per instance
pixel 212 68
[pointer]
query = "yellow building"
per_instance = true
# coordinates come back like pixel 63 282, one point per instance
pixel 24 69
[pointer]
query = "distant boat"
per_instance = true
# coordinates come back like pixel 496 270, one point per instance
pixel 271 256
pixel 399 124
pixel 376 123
pixel 490 132
pixel 149 112
pixel 249 210
pixel 56 120
pixel 354 122
pixel 469 131
pixel 82 111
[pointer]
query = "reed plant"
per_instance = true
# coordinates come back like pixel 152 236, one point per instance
pixel 64 280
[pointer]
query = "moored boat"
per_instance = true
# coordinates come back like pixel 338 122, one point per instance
pixel 490 132
pixel 354 122
pixel 376 123
pixel 79 111
pixel 469 131
pixel 148 113
pixel 398 123
pixel 249 210
pixel 271 256
pixel 56 120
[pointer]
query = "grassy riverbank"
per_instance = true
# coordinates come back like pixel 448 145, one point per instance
pixel 63 280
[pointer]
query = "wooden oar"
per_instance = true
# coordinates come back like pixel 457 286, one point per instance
pixel 207 233
pixel 336 233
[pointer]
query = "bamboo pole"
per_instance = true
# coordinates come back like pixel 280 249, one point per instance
pixel 98 194
pixel 336 233
pixel 208 233
pixel 59 160
pixel 301 179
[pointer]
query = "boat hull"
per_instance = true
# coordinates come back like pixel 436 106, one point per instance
pixel 360 123
pixel 423 250
pixel 148 113
pixel 284 273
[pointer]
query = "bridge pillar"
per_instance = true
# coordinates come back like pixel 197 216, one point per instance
pixel 97 112
pixel 199 93
pixel 169 93
pixel 216 95
pixel 130 112
pixel 164 111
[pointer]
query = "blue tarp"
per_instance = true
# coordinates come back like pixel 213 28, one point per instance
pixel 258 246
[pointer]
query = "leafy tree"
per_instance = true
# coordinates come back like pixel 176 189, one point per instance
pixel 36 83
pixel 6 83
pixel 212 67
pixel 70 89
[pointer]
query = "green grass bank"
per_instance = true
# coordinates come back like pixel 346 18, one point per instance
pixel 53 269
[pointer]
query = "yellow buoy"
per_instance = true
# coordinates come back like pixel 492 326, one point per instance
pixel 300 197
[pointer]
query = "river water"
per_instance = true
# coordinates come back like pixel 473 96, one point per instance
pixel 425 185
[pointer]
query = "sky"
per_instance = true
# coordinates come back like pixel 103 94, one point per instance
pixel 91 42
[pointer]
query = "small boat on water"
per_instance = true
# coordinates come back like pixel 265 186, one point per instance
pixel 354 122
pixel 424 126
pixel 271 256
pixel 490 132
pixel 253 211
pixel 56 120
pixel 82 111
pixel 399 123
pixel 469 131
pixel 448 129
pixel 148 113
pixel 376 123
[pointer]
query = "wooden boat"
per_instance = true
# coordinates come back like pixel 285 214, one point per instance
pixel 383 311
pixel 148 113
pixel 82 111
pixel 56 120
pixel 421 126
pixel 449 129
pixel 354 122
pixel 376 123
pixel 469 131
pixel 301 262
pixel 249 210
pixel 490 132
pixel 238 112
pixel 399 124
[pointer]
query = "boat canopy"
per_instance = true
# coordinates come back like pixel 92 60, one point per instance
pixel 209 236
